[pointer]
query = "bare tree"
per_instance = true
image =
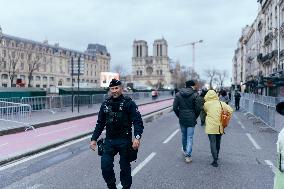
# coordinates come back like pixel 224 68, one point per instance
pixel 210 74
pixel 35 61
pixel 13 61
pixel 221 77
pixel 120 69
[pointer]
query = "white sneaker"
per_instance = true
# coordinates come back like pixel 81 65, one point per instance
pixel 188 159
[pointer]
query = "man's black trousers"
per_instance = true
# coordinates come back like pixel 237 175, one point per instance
pixel 112 147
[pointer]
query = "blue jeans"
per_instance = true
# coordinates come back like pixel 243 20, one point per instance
pixel 187 139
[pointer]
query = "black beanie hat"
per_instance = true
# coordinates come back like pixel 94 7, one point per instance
pixel 189 83
pixel 114 82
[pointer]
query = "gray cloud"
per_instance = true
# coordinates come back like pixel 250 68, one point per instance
pixel 75 23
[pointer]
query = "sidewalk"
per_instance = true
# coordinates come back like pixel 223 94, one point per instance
pixel 18 145
pixel 45 117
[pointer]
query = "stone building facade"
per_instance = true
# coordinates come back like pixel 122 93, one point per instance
pixel 153 70
pixel 48 65
pixel 258 62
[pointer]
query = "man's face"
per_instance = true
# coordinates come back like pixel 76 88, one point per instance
pixel 116 91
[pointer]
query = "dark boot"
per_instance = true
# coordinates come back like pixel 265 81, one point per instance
pixel 214 163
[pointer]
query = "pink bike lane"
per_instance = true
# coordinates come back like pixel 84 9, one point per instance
pixel 18 145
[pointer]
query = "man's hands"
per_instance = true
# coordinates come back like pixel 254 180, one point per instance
pixel 93 145
pixel 135 144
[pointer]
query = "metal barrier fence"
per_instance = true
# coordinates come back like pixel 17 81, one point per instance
pixel 53 103
pixel 14 113
pixel 263 107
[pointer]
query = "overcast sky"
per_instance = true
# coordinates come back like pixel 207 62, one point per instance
pixel 116 23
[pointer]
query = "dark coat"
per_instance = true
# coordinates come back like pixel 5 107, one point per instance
pixel 187 106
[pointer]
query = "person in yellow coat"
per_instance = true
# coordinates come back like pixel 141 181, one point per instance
pixel 279 174
pixel 214 128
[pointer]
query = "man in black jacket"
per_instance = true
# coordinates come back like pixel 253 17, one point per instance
pixel 117 114
pixel 187 106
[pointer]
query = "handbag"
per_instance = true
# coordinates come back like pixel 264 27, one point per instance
pixel 225 117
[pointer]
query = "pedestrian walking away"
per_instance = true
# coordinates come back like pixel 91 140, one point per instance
pixel 117 114
pixel 279 173
pixel 187 107
pixel 214 127
pixel 237 100
pixel 202 113
pixel 224 97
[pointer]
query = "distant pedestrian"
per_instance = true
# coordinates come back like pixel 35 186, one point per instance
pixel 224 97
pixel 117 114
pixel 202 113
pixel 279 174
pixel 237 100
pixel 187 107
pixel 230 95
pixel 214 128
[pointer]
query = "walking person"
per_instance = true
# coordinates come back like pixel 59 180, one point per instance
pixel 237 100
pixel 214 128
pixel 117 114
pixel 224 97
pixel 202 113
pixel 279 173
pixel 187 107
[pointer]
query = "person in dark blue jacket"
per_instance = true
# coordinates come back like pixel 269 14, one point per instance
pixel 117 114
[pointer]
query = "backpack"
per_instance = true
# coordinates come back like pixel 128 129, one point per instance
pixel 225 117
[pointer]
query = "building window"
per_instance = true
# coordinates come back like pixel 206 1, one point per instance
pixel 157 72
pixel 4 76
pixel 37 86
pixel 68 79
pixel 23 77
pixel 37 78
pixel 4 85
pixel 96 81
pixel 140 72
pixel 44 86
pixel 160 50
pixel 44 78
pixel 137 51
pixel 51 78
pixel 22 66
pixel 161 72
pixel 137 72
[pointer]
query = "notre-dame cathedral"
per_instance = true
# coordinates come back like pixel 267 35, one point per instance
pixel 153 70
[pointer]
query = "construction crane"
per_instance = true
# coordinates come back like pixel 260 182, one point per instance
pixel 193 51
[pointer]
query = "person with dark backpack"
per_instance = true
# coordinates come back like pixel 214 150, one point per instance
pixel 187 106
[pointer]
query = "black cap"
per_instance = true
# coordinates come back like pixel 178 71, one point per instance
pixel 189 83
pixel 280 108
pixel 114 82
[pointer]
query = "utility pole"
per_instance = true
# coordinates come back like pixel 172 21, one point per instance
pixel 193 51
pixel 79 83
pixel 72 83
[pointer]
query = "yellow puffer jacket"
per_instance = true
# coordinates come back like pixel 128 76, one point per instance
pixel 212 108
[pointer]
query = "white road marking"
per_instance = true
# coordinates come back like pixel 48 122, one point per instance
pixel 171 136
pixel 42 153
pixel 253 141
pixel 242 125
pixel 270 164
pixel 139 167
pixel 1 145
pixel 35 186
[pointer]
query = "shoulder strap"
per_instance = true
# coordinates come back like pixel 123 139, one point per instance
pixel 221 105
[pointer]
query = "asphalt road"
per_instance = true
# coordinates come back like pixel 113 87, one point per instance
pixel 246 151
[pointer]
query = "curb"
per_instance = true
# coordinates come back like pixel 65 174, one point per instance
pixel 147 118
pixel 54 122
